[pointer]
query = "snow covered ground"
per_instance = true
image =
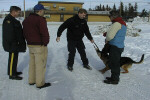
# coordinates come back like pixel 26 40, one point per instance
pixel 81 84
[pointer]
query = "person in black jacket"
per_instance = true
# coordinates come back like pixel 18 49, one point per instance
pixel 13 41
pixel 76 29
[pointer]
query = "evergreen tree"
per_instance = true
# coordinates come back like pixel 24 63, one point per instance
pixel 103 8
pixel 126 11
pixel 100 7
pixel 90 9
pixel 144 13
pixel 121 9
pixel 96 8
pixel 107 8
pixel 131 10
pixel 114 7
pixel 135 9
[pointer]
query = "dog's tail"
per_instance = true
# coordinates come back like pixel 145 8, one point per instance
pixel 142 59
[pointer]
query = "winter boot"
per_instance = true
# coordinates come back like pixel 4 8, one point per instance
pixel 45 85
pixel 108 78
pixel 15 77
pixel 18 73
pixel 111 81
pixel 87 67
pixel 70 68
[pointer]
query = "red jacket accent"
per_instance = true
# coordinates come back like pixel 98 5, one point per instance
pixel 119 20
pixel 35 30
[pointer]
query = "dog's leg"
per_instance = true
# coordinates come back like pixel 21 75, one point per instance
pixel 104 70
pixel 125 69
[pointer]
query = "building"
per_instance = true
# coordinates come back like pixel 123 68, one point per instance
pixel 98 16
pixel 3 13
pixel 61 11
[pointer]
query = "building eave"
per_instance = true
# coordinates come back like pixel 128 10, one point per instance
pixel 61 2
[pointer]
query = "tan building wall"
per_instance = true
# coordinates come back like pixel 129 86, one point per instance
pixel 61 11
pixel 68 7
pixel 53 18
pixel 56 17
pixel 91 18
pixel 67 16
pixel 98 18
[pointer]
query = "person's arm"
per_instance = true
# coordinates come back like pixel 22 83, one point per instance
pixel 62 28
pixel 44 31
pixel 112 31
pixel 88 34
pixel 20 37
pixel 8 30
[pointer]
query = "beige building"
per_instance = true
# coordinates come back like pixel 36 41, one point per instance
pixel 61 11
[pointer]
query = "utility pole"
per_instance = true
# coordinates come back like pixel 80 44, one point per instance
pixel 24 10
pixel 120 8
pixel 149 17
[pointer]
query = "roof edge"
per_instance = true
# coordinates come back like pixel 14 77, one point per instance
pixel 61 2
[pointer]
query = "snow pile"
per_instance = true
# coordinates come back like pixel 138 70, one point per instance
pixel 140 19
pixel 101 28
pixel 132 31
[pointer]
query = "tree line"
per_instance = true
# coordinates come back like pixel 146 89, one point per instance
pixel 125 11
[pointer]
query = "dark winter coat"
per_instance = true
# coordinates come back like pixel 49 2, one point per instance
pixel 13 39
pixel 76 29
pixel 35 30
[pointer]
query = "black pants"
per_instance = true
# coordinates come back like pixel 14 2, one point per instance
pixel 72 46
pixel 114 60
pixel 12 64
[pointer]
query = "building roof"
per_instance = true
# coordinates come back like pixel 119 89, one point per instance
pixel 61 2
pixel 98 12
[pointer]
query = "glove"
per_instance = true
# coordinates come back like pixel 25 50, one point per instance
pixel 104 34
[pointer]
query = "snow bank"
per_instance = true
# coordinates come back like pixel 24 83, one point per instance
pixel 101 28
pixel 140 19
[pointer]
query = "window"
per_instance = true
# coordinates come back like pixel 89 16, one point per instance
pixel 47 7
pixel 47 16
pixel 54 5
pixel 76 8
pixel 62 8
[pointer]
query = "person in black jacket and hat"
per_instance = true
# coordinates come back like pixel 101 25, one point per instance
pixel 76 29
pixel 13 41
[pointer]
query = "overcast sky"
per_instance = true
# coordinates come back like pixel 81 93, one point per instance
pixel 5 4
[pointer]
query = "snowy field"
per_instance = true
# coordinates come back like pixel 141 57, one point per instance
pixel 81 84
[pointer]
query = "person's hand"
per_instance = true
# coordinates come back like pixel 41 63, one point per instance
pixel 58 39
pixel 104 34
pixel 92 41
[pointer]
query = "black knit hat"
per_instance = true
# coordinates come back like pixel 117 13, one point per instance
pixel 114 13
